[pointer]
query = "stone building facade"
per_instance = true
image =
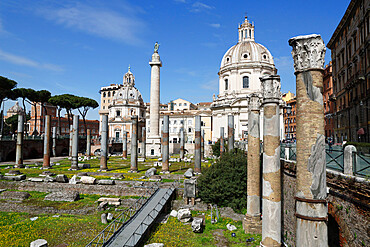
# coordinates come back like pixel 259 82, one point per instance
pixel 120 102
pixel 328 101
pixel 239 76
pixel 290 125
pixel 350 60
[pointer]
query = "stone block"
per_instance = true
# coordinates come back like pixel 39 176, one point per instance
pixel 154 245
pixel 184 215
pixel 80 174
pixel 83 166
pixel 231 227
pixel 155 178
pixel 39 243
pixel 16 195
pixel 103 218
pixel 13 172
pixel 141 159
pixel 36 179
pixel 73 180
pixel 114 203
pixel 189 188
pixel 47 173
pixel 106 182
pixel 61 178
pixel 15 178
pixel 49 179
pixel 110 216
pixel 150 172
pixel 88 180
pixel 117 176
pixel 189 173
pixel 65 196
pixel 107 199
pixel 173 213
pixel 197 225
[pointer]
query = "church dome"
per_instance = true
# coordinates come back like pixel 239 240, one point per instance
pixel 247 50
pixel 128 93
pixel 15 109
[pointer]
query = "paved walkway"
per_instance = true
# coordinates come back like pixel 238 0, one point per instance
pixel 131 233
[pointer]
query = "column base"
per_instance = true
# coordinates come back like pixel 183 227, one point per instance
pixel 19 166
pixel 252 224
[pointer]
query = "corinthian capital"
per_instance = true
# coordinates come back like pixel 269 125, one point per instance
pixel 308 52
pixel 254 102
pixel 271 87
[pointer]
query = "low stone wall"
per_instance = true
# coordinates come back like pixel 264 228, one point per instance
pixel 120 189
pixel 348 208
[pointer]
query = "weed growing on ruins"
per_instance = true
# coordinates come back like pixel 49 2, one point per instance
pixel 225 182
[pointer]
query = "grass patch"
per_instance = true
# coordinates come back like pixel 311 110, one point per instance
pixel 175 233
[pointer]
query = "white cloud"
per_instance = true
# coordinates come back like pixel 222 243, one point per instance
pixel 199 7
pixel 215 25
pixel 99 22
pixel 180 1
pixel 15 59
pixel 211 85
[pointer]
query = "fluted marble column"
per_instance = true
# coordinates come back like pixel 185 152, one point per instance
pixel 47 132
pixel 19 147
pixel 74 163
pixel 154 139
pixel 253 216
pixel 271 180
pixel 311 205
pixel 104 143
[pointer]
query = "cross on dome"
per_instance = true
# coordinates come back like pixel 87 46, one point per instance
pixel 246 30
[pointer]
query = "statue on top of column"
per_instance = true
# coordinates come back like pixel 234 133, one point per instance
pixel 156 47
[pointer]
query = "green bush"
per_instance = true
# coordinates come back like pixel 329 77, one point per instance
pixel 225 182
pixel 216 148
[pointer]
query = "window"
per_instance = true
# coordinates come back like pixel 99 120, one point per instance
pixel 245 56
pixel 118 113
pixel 245 82
pixel 181 121
pixel 175 122
pixel 174 140
pixel 226 84
pixel 185 104
pixel 190 122
pixel 108 94
pixel 104 94
pixel 180 104
pixel 189 130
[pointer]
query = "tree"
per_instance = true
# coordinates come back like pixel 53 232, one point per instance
pixel 83 105
pixel 33 99
pixel 6 86
pixel 216 148
pixel 22 93
pixel 67 102
pixel 13 122
pixel 57 101
pixel 44 96
pixel 225 183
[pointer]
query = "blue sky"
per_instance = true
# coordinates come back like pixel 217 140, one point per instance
pixel 77 47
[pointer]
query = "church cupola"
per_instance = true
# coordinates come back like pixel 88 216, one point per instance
pixel 246 31
pixel 129 78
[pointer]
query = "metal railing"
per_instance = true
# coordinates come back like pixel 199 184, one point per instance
pixel 102 238
pixel 361 164
pixel 335 159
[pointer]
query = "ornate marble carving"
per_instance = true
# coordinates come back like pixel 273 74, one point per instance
pixel 270 87
pixel 254 102
pixel 317 165
pixel 308 52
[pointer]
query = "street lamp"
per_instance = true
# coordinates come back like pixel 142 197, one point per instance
pixel 288 110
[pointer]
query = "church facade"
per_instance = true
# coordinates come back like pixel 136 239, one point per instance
pixel 241 68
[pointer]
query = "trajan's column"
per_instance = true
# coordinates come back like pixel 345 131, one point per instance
pixel 154 139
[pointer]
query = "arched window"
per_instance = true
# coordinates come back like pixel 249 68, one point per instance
pixel 104 94
pixel 226 84
pixel 245 82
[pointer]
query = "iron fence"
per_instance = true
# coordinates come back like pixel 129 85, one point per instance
pixel 361 164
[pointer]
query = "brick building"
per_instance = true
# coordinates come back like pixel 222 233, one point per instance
pixel 290 125
pixel 350 60
pixel 328 101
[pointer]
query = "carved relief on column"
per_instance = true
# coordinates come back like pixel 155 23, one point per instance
pixel 271 87
pixel 308 52
pixel 254 102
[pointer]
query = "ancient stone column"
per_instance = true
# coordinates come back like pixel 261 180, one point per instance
pixel 134 140
pixel 165 146
pixel 104 143
pixel 311 205
pixel 70 140
pixel 47 133
pixel 271 180
pixel 124 145
pixel 54 131
pixel 19 148
pixel 230 132
pixel 197 154
pixel 222 141
pixel 202 145
pixel 88 143
pixel 253 216
pixel 154 139
pixel 182 144
pixel 143 142
pixel 74 163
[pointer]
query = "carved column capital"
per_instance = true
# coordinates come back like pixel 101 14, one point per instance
pixel 254 102
pixel 308 52
pixel 271 88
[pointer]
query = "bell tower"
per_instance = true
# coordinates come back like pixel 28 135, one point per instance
pixel 246 31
